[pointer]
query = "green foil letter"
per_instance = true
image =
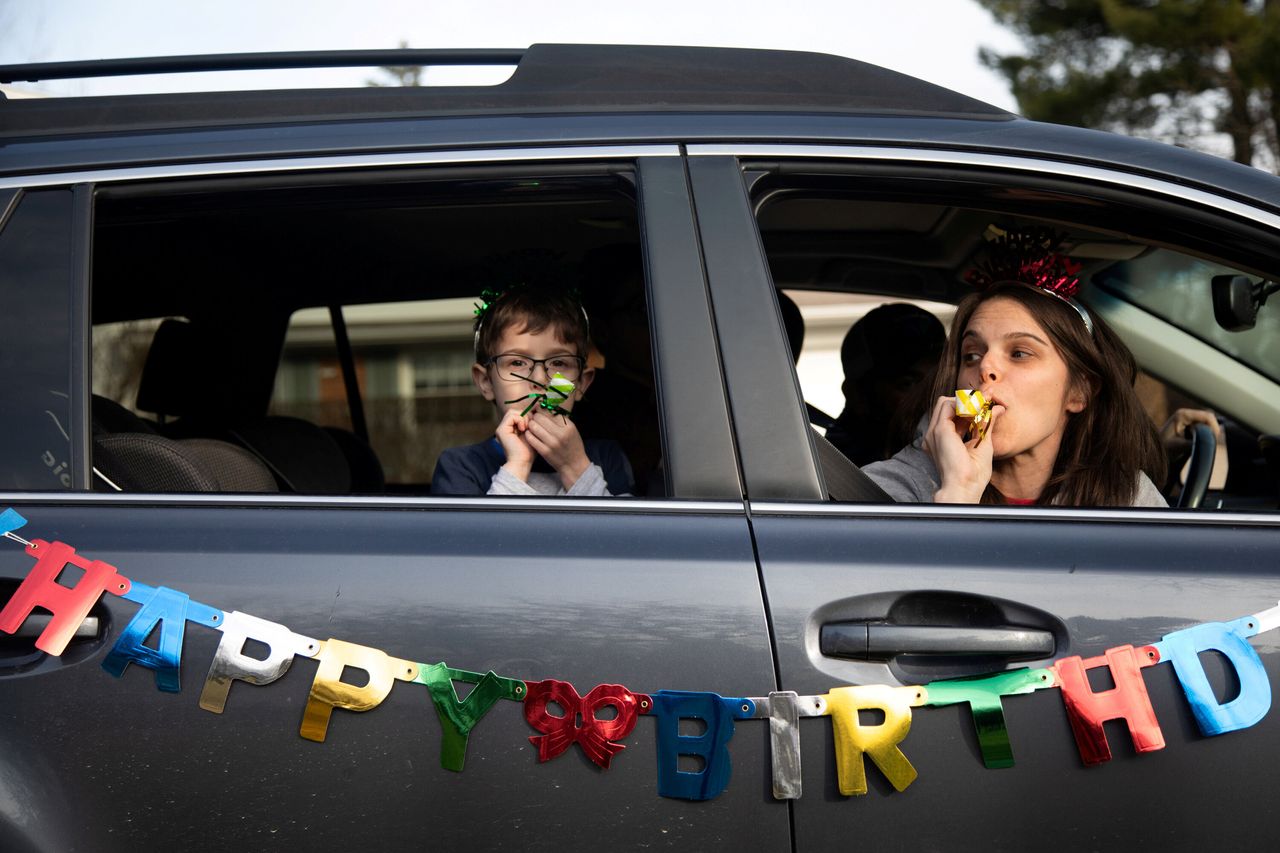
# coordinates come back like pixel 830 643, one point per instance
pixel 458 717
pixel 983 695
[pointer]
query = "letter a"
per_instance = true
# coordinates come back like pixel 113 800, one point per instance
pixel 168 609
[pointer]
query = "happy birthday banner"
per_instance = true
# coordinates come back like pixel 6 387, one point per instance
pixel 600 738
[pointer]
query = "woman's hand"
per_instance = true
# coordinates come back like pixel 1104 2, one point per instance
pixel 557 440
pixel 964 467
pixel 512 433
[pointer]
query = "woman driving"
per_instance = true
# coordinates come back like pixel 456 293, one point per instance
pixel 1066 427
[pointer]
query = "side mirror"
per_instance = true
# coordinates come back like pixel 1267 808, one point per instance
pixel 1236 301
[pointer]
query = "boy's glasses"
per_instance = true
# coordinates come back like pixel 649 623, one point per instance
pixel 519 368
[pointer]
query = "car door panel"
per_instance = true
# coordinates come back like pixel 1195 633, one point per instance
pixel 1109 587
pixel 652 595
pixel 1078 581
pixel 662 599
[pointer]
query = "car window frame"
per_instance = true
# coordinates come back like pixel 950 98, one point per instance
pixel 66 240
pixel 702 460
pixel 771 422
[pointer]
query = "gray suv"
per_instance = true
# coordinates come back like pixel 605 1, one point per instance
pixel 237 334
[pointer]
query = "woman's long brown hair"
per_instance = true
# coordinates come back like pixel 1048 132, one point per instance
pixel 1112 439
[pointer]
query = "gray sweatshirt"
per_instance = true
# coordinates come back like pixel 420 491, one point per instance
pixel 911 477
pixel 590 485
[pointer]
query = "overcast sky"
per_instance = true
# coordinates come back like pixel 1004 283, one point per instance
pixel 936 40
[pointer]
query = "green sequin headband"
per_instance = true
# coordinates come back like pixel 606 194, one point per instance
pixel 490 297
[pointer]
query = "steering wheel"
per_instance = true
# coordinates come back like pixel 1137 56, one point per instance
pixel 1203 449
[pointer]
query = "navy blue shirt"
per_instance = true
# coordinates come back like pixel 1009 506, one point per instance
pixel 469 471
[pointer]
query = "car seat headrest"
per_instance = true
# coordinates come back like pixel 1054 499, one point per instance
pixel 302 456
pixel 167 386
pixel 109 417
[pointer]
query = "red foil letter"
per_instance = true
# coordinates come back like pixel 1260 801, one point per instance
pixel 69 605
pixel 1088 710
pixel 579 723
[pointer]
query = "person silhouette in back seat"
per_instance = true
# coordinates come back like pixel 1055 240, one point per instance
pixel 888 357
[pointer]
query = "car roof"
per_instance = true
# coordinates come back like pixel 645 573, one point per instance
pixel 548 78
pixel 559 94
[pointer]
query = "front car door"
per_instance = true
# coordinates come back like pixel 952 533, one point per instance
pixel 905 595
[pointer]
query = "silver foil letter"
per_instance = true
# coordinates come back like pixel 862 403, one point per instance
pixel 231 663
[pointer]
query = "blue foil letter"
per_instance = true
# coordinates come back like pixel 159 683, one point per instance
pixel 1184 647
pixel 712 746
pixel 171 609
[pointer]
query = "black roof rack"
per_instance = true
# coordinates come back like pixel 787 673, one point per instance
pixel 549 78
pixel 254 62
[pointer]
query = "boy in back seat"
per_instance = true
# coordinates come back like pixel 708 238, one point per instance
pixel 524 337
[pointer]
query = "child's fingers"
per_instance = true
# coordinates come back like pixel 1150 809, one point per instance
pixel 546 445
pixel 551 427
pixel 538 443
pixel 512 425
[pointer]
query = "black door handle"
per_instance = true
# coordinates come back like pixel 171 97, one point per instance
pixel 880 641
pixel 35 624
pixel 20 657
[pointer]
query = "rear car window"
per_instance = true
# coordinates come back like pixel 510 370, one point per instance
pixel 269 314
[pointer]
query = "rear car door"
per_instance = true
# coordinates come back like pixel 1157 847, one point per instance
pixel 903 595
pixel 651 594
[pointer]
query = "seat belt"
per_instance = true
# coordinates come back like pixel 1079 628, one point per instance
pixel 844 481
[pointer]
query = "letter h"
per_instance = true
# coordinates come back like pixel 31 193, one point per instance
pixel 69 605
pixel 1087 710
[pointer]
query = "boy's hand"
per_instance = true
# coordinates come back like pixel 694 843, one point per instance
pixel 557 440
pixel 512 435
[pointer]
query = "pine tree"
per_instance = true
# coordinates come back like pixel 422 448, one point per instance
pixel 1176 70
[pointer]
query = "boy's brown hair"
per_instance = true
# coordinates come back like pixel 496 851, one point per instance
pixel 532 310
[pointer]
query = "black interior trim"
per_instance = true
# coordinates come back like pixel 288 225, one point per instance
pixel 844 481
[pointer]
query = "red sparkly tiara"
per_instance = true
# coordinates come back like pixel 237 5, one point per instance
pixel 1027 256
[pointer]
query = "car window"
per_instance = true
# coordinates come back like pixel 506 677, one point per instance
pixel 835 257
pixel 1173 286
pixel 245 312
